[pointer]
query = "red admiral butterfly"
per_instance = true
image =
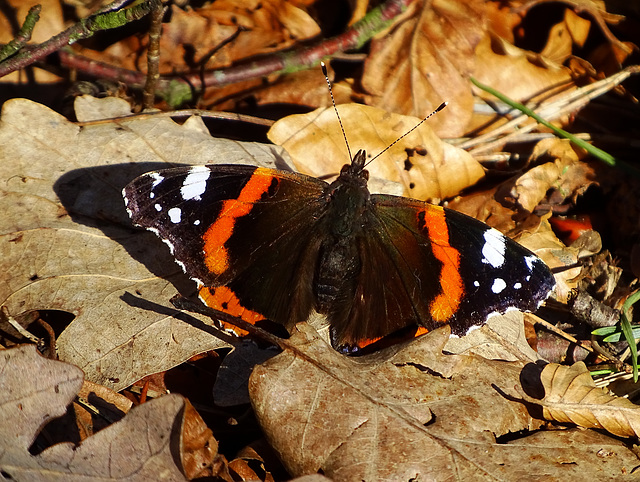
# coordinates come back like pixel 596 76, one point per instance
pixel 263 243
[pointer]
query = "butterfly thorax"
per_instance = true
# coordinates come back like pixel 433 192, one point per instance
pixel 339 263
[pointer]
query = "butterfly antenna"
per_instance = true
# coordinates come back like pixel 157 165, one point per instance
pixel 333 101
pixel 438 109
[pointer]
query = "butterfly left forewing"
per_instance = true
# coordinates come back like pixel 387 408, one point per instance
pixel 247 235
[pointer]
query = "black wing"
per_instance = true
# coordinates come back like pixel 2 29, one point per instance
pixel 426 265
pixel 252 230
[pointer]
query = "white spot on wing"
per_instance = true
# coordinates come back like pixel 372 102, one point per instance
pixel 196 222
pixel 517 286
pixel 476 283
pixel 195 183
pixel 158 207
pixel 175 215
pixel 530 260
pixel 157 179
pixel 494 248
pixel 498 285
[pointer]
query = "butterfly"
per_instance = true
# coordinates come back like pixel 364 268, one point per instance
pixel 270 244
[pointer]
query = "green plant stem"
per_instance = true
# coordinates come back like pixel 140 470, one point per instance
pixel 627 330
pixel 591 149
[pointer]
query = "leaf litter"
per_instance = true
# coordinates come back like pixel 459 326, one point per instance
pixel 68 248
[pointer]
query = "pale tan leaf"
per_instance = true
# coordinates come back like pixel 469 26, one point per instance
pixel 68 245
pixel 501 338
pixel 36 390
pixel 571 396
pixel 427 167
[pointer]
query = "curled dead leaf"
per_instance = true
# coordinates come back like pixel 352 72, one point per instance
pixel 571 396
pixel 427 167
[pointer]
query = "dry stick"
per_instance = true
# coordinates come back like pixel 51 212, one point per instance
pixel 106 18
pixel 153 55
pixel 24 35
pixel 181 88
pixel 231 116
pixel 563 334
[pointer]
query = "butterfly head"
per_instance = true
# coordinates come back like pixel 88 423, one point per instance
pixel 356 171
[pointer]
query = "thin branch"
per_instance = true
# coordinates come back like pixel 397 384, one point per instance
pixel 24 35
pixel 153 54
pixel 104 19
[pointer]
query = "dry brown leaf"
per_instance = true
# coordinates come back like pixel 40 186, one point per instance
pixel 565 455
pixel 199 449
pixel 517 73
pixel 373 418
pixel 67 243
pixel 272 25
pixel 566 177
pixel 304 88
pixel 112 406
pixel 412 413
pixel 36 390
pixel 427 167
pixel 425 59
pixel 531 188
pixel 563 36
pixel 571 396
pixel 596 10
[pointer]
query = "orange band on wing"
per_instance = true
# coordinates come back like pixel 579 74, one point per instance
pixel 224 299
pixel 216 255
pixel 445 305
pixel 421 330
